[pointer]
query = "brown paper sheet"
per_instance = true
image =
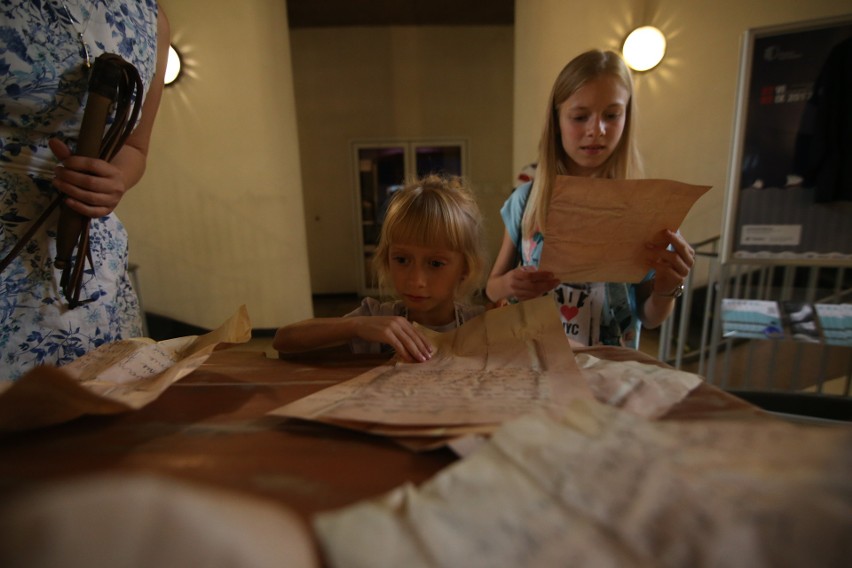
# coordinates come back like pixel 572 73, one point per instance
pixel 596 229
pixel 500 365
pixel 117 377
pixel 597 486
pixel 505 363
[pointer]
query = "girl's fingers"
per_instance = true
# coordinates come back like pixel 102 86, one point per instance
pixel 412 345
pixel 422 346
pixel 403 354
pixel 686 252
pixel 671 272
pixel 530 283
pixel 681 260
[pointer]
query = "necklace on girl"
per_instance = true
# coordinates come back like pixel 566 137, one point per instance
pixel 84 49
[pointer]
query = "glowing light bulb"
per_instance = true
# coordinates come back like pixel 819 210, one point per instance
pixel 644 48
pixel 172 66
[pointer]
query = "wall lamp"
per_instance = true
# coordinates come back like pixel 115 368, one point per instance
pixel 644 48
pixel 173 66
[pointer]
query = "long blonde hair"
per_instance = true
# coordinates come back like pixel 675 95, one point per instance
pixel 624 162
pixel 434 211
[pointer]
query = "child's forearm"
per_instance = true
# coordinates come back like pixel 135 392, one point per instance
pixel 655 308
pixel 496 289
pixel 313 334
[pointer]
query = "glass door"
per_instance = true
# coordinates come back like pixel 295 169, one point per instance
pixel 437 159
pixel 381 169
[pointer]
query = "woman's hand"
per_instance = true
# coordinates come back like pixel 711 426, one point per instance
pixel 397 332
pixel 92 187
pixel 671 266
pixel 526 282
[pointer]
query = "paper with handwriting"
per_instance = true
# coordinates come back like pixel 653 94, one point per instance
pixel 599 487
pixel 507 362
pixel 596 229
pixel 116 377
pixel 497 366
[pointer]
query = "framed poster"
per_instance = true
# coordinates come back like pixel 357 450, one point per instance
pixel 789 194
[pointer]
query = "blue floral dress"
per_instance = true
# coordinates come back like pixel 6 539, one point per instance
pixel 43 85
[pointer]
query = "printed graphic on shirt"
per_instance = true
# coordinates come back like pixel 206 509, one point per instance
pixel 580 307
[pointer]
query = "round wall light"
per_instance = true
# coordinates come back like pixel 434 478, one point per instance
pixel 644 48
pixel 172 66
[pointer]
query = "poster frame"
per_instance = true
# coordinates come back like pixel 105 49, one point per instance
pixel 731 218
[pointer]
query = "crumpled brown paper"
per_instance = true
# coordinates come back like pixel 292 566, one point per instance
pixel 117 377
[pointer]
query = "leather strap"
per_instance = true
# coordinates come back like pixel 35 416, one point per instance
pixel 119 80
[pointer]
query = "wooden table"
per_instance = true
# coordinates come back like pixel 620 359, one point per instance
pixel 211 428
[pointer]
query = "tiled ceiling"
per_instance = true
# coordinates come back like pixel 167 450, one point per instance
pixel 336 13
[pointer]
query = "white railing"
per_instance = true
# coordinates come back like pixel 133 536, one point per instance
pixel 693 338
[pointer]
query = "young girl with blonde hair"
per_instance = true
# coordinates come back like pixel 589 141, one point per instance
pixel 430 258
pixel 589 131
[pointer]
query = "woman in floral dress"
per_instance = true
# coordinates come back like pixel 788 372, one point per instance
pixel 46 50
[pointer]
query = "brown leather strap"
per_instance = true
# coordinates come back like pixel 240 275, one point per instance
pixel 119 81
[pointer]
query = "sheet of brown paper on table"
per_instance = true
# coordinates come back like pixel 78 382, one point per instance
pixel 642 389
pixel 116 377
pixel 597 486
pixel 497 366
pixel 596 229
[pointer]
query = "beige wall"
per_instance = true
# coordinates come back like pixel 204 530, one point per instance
pixel 387 83
pixel 686 104
pixel 217 221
